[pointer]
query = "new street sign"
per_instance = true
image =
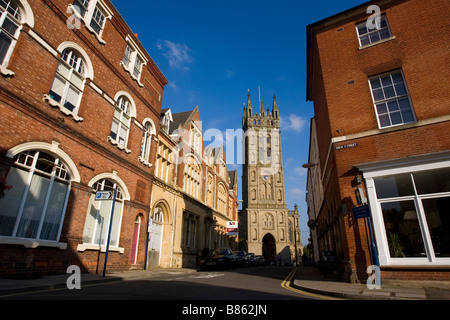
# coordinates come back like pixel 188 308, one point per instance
pixel 104 195
pixel 361 212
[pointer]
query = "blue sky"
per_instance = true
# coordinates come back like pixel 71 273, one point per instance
pixel 213 52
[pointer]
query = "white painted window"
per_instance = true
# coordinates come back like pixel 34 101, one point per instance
pixel 68 83
pixel 391 99
pixel 121 122
pixel 133 60
pixel 93 13
pixel 98 217
pixel 381 32
pixel 35 206
pixel 410 204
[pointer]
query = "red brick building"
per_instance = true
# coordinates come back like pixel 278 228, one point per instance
pixel 382 123
pixel 80 103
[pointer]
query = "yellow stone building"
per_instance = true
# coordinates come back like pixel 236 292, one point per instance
pixel 193 196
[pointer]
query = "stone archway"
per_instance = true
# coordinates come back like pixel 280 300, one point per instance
pixel 269 248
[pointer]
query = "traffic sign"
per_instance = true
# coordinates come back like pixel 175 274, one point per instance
pixel 104 195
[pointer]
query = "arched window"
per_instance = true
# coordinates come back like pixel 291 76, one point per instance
pixel 121 122
pixel 98 216
pixel 149 130
pixel 11 20
pixel 35 206
pixel 68 83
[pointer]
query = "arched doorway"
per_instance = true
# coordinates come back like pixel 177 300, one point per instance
pixel 135 240
pixel 269 247
pixel 156 232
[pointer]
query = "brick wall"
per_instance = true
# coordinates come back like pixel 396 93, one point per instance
pixel 26 117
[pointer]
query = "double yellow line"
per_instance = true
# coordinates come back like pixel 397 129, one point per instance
pixel 287 284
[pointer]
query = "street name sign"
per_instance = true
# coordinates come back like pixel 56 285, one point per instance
pixel 361 212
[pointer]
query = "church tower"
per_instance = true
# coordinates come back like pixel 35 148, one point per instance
pixel 269 227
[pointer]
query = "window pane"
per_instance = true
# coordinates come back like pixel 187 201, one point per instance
pixel 32 211
pixel 433 181
pixel 402 229
pixel 10 203
pixel 392 105
pixel 407 116
pixel 63 70
pixel 394 186
pixel 404 104
pixel 384 120
pixel 389 92
pixel 362 29
pixel 5 42
pixel 103 222
pixel 437 212
pixel 91 219
pixel 396 118
pixel 400 89
pixel 375 83
pixel 374 37
pixel 77 80
pixel 72 98
pixel 123 135
pixel 57 89
pixel 55 211
pixel 10 27
pixel 378 94
pixel 114 129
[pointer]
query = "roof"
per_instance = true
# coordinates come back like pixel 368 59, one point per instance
pixel 179 118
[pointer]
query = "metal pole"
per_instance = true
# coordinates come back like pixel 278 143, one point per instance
pixel 109 232
pixel 374 251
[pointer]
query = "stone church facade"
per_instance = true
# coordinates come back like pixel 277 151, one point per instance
pixel 267 226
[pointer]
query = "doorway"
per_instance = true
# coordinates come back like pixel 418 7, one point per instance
pixel 269 249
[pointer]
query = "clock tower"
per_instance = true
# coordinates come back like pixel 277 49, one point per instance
pixel 268 227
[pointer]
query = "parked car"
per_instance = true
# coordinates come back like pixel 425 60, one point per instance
pixel 220 258
pixel 241 259
pixel 251 259
pixel 261 261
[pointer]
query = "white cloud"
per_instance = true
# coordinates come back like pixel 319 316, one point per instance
pixel 298 192
pixel 294 123
pixel 299 171
pixel 177 54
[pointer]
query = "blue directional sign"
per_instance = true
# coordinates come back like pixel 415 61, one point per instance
pixel 103 195
pixel 361 212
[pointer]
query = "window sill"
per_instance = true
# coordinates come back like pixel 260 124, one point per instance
pixel 62 109
pixel 376 43
pixel 118 145
pixel 102 248
pixel 145 162
pixel 6 72
pixel 33 243
pixel 131 74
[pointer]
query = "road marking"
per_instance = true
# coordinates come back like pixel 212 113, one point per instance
pixel 286 284
pixel 208 276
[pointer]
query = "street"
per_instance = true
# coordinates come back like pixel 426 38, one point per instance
pixel 242 284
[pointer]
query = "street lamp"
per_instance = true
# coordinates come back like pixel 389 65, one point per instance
pixel 309 165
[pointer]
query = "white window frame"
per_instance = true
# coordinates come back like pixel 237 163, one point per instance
pixel 378 30
pixel 135 55
pixel 146 143
pixel 124 119
pixel 413 165
pixel 64 176
pixel 88 17
pixel 390 99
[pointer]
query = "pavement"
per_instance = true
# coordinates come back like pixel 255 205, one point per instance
pixel 307 279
